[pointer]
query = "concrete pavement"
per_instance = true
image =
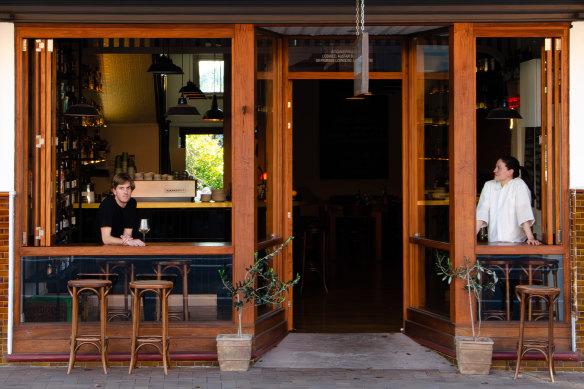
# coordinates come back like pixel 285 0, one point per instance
pixel 17 377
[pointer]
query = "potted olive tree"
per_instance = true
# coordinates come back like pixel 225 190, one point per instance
pixel 473 354
pixel 260 285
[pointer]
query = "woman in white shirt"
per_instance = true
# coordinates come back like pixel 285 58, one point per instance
pixel 505 205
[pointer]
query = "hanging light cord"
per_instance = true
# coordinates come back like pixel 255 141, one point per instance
pixel 359 17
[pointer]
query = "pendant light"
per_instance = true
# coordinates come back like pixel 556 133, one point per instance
pixel 214 114
pixel 182 108
pixel 190 90
pixel 82 109
pixel 164 65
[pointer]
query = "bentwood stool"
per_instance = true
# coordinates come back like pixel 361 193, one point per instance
pixel 539 272
pixel 101 288
pixel 525 293
pixel 505 268
pixel 124 268
pixel 183 266
pixel 314 253
pixel 161 342
pixel 94 276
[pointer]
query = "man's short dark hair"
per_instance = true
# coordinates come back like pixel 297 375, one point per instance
pixel 122 178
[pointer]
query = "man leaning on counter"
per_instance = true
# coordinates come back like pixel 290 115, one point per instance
pixel 117 213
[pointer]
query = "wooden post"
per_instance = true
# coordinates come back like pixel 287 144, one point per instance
pixel 462 161
pixel 243 190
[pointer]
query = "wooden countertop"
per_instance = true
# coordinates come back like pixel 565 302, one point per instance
pixel 143 204
pixel 151 248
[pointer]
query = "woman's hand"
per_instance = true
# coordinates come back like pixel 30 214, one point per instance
pixel 533 242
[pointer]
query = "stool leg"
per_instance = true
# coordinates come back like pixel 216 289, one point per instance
pixel 550 350
pixel 103 320
pixel 185 281
pixel 165 359
pixel 135 326
pixel 74 327
pixel 521 328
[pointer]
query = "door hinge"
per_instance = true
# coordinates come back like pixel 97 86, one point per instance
pixel 559 236
pixel 289 125
pixel 24 45
pixel 40 45
pixel 289 104
pixel 24 238
pixel 39 233
pixel 40 141
pixel 50 45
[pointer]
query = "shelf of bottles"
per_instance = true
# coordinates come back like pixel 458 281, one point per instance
pixel 78 146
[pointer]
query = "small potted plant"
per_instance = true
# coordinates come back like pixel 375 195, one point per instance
pixel 260 285
pixel 473 354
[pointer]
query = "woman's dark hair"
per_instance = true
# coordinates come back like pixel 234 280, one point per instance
pixel 513 163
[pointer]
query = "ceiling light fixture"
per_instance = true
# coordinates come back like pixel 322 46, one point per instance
pixel 164 65
pixel 82 109
pixel 182 108
pixel 214 114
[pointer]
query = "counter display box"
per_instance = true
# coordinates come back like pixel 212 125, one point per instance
pixel 165 191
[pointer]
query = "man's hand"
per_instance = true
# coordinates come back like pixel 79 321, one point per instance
pixel 127 240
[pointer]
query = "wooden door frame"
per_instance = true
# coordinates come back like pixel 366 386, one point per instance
pixel 463 168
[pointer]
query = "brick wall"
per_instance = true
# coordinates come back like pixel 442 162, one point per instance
pixel 3 274
pixel 577 257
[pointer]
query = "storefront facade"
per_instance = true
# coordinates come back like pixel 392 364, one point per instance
pixel 441 58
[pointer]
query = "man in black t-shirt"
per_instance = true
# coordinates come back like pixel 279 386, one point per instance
pixel 117 213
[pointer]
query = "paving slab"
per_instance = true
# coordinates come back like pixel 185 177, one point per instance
pixel 352 351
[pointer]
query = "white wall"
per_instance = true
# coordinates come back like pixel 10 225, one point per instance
pixel 576 105
pixel 6 107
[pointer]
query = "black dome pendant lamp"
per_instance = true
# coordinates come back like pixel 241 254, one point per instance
pixel 214 114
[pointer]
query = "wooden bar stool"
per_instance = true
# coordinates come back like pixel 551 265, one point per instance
pixel 101 288
pixel 161 342
pixel 525 293
pixel 505 267
pixel 126 269
pixel 183 266
pixel 538 272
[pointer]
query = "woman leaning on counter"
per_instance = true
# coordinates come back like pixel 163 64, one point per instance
pixel 505 204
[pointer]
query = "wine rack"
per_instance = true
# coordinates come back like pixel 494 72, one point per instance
pixel 78 147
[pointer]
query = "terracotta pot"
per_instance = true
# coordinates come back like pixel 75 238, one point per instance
pixel 474 356
pixel 234 352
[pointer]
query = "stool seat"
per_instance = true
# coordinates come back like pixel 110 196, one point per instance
pixel 550 295
pixel 151 284
pixel 89 283
pixel 101 288
pixel 537 290
pixel 162 289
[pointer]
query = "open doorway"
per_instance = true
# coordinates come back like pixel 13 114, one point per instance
pixel 348 178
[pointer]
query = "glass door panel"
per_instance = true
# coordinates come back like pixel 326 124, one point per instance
pixel 428 186
pixel 432 132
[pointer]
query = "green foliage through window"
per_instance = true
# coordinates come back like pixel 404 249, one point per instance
pixel 204 159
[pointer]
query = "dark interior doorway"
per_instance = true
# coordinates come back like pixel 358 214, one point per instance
pixel 348 178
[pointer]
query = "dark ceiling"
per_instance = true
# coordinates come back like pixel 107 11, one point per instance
pixel 288 11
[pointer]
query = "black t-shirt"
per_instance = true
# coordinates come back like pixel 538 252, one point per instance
pixel 110 214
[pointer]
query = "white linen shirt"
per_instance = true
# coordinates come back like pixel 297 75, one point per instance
pixel 504 209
